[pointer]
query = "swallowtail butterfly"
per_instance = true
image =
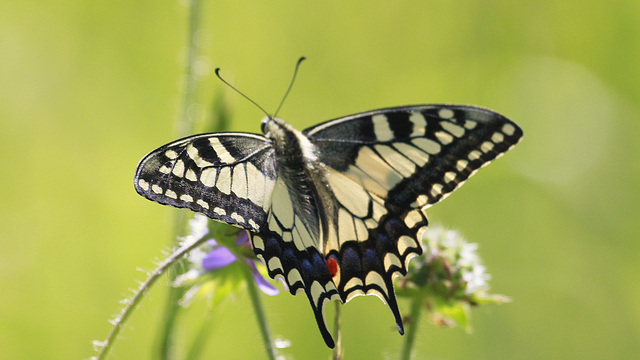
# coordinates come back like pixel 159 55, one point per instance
pixel 336 210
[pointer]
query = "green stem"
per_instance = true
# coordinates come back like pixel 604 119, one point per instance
pixel 185 122
pixel 166 337
pixel 202 338
pixel 260 316
pixel 337 351
pixel 184 126
pixel 410 336
pixel 137 297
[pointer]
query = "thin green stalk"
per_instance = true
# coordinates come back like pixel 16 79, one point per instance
pixel 137 297
pixel 201 339
pixel 410 335
pixel 254 295
pixel 185 122
pixel 184 126
pixel 337 351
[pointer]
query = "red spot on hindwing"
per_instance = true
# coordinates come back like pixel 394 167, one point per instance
pixel 332 265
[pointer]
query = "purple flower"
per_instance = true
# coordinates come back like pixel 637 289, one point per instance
pixel 220 257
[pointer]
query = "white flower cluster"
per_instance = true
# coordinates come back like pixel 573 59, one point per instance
pixel 460 254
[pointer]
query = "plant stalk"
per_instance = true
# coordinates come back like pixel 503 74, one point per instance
pixel 410 336
pixel 254 295
pixel 184 126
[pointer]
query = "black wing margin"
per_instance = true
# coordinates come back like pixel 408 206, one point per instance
pixel 226 176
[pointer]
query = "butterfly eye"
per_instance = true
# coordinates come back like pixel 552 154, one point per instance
pixel 263 126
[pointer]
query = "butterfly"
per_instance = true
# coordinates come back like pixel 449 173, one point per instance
pixel 336 210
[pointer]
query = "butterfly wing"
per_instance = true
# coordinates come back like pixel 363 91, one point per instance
pixel 226 176
pixel 385 167
pixel 396 152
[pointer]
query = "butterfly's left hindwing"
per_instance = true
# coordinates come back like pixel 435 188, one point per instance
pixel 226 176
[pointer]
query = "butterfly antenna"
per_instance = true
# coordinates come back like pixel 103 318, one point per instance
pixel 293 79
pixel 240 92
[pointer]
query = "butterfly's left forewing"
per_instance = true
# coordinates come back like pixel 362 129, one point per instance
pixel 226 176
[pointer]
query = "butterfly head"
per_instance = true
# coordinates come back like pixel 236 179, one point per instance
pixel 273 127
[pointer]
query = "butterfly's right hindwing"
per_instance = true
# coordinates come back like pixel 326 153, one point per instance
pixel 226 176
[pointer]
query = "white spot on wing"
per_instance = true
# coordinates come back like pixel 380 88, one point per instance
pixel 294 276
pixel 497 137
pixel 239 184
pixel 376 170
pixel 257 242
pixel 353 282
pixel 202 203
pixel 486 146
pixel 422 200
pixel 461 164
pixel 237 217
pixel 171 194
pixel 258 183
pixel 143 184
pixel 186 198
pixel 412 218
pixel 419 124
pixel 361 230
pixel 345 225
pixel 381 128
pixel 405 167
pixel 375 278
pixel 178 168
pixel 470 124
pixel 195 156
pixel 456 130
pixel 508 129
pixel 274 264
pixel 391 260
pixel 445 113
pixel 427 145
pixel 301 236
pixel 444 138
pixel 417 156
pixel 350 194
pixel 474 155
pixel 224 180
pixel 221 151
pixel 449 176
pixel 191 175
pixel 207 176
pixel 405 242
pixel 156 189
pixel 281 206
pixel 436 190
pixel 316 291
pixel 171 154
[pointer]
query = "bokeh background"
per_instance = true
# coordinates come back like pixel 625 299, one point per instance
pixel 87 88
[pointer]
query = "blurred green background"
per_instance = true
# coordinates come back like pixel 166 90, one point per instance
pixel 88 88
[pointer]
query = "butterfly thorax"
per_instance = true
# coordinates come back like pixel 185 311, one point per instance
pixel 298 168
